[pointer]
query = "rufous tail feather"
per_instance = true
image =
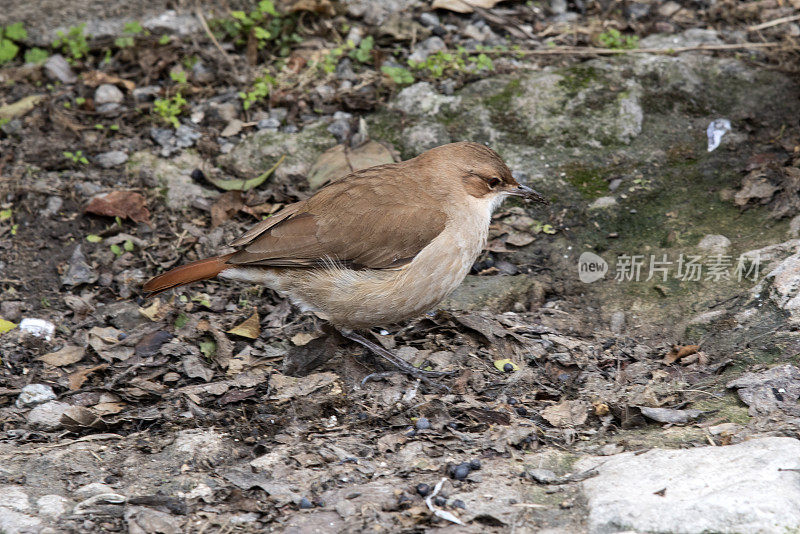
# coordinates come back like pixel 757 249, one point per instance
pixel 186 274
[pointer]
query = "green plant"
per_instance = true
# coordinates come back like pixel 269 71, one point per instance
pixel 76 157
pixel 399 75
pixel 178 76
pixel 260 90
pixel 264 24
pixel 73 43
pixel 130 31
pixel 80 100
pixel 36 55
pixel 170 108
pixel 93 238
pixel 460 60
pixel 164 39
pixel 612 38
pixel 363 53
pixel 116 249
pixel 9 36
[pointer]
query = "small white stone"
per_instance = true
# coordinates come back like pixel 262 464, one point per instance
pixel 47 416
pixel 603 202
pixel 13 497
pixel 52 505
pixel 38 328
pixel 107 94
pixel 90 490
pixel 714 243
pixel 34 394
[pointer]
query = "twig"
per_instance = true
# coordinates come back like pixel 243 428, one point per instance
pixel 93 437
pixel 203 23
pixel 771 23
pixel 592 51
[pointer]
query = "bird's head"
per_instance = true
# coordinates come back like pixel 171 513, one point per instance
pixel 482 173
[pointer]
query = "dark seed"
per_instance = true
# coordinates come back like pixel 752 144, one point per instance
pixel 198 175
pixel 508 368
pixel 439 501
pixel 458 503
pixel 512 401
pixel 411 432
pixel 423 489
pixel 461 471
pixel 522 411
pixel 423 423
pixel 475 464
pixel 121 336
pixel 305 504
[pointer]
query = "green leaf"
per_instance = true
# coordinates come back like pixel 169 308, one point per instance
pixel 116 249
pixel 92 238
pixel 181 320
pixel 5 214
pixel 36 55
pixel 128 245
pixel 5 326
pixel 8 51
pixel 244 185
pixel 164 39
pixel 261 34
pixel 133 27
pixel 16 32
pixel 208 348
pixel 267 6
pixel 501 364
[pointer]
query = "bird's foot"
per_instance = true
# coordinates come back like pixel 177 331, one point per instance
pixel 400 365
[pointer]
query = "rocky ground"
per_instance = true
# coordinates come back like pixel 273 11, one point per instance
pixel 657 393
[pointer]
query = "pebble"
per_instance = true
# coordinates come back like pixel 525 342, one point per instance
pixel 458 503
pixel 53 506
pixel 162 136
pixel 278 114
pixel 542 476
pixel 475 465
pixel 423 423
pixel 508 368
pixel 426 48
pixel 54 204
pixel 186 137
pixel 11 310
pixel 340 129
pixel 79 271
pixel 305 504
pixel 13 497
pixel 429 19
pixel 146 93
pixel 38 327
pixel 344 70
pixel 460 471
pixel 110 159
pixel 57 68
pixel 325 92
pixel 47 416
pixel 34 394
pixel 268 124
pixel 439 500
pixel 108 94
pixel 234 127
pixel 12 127
pixel 423 489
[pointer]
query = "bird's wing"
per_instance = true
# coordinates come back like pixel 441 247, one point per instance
pixel 367 220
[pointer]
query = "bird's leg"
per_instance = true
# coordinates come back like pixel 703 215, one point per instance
pixel 398 363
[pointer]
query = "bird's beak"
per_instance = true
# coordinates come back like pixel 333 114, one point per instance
pixel 526 192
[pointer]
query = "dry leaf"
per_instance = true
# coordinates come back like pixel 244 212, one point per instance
pixel 66 356
pixel 321 7
pixel 519 239
pixel 680 352
pixel 341 160
pixel 96 77
pixel 303 338
pixel 249 328
pixel 566 414
pixel 226 207
pixel 20 107
pixel 464 6
pixel 123 204
pixel 77 418
pixel 156 311
pixel 77 378
pixel 108 408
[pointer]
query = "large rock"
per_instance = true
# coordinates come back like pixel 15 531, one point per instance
pixel 749 487
pixel 174 176
pixel 260 151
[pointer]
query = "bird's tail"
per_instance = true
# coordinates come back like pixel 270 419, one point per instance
pixel 186 274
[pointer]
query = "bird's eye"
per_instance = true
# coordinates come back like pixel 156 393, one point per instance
pixel 493 182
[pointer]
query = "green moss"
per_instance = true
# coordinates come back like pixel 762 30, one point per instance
pixel 589 181
pixel 576 78
pixel 728 407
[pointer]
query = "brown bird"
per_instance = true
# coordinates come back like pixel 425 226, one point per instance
pixel 379 246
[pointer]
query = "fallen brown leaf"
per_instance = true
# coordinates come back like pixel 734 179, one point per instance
pixel 680 352
pixel 226 207
pixel 77 378
pixel 464 6
pixel 66 356
pixel 566 414
pixel 96 77
pixel 123 204
pixel 249 328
